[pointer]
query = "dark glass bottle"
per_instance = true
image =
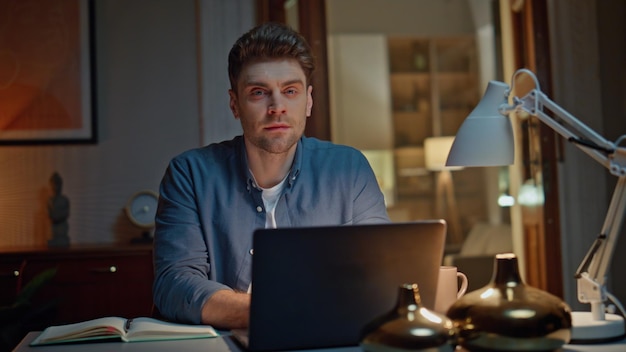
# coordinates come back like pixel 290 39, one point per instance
pixel 409 327
pixel 508 315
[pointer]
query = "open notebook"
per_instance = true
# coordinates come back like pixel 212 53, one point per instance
pixel 317 287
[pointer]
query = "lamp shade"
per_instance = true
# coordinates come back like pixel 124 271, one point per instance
pixel 486 136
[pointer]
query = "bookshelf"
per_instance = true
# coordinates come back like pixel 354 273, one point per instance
pixel 434 85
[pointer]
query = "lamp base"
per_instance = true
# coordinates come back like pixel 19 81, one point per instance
pixel 586 330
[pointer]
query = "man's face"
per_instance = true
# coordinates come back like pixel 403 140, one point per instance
pixel 272 102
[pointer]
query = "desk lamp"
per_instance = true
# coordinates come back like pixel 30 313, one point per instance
pixel 486 139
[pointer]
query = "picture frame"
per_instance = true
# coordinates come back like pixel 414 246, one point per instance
pixel 47 72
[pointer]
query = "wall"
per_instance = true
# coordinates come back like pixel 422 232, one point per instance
pixel 221 23
pixel 590 83
pixel 612 30
pixel 148 110
pixel 399 17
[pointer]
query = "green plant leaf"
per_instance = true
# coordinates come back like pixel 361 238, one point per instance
pixel 34 285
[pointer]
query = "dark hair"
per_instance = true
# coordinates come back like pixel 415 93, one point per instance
pixel 269 41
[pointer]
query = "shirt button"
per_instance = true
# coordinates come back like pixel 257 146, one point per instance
pixel 251 251
pixel 259 209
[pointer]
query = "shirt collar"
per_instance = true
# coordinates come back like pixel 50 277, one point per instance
pixel 293 172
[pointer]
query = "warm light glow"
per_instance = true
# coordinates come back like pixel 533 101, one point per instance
pixel 510 293
pixel 421 332
pixel 430 316
pixel 521 313
pixel 488 293
pixel 436 150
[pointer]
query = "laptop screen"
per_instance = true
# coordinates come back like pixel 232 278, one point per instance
pixel 317 287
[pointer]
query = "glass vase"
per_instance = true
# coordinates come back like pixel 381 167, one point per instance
pixel 408 327
pixel 508 315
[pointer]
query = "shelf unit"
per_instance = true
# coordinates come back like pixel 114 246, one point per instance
pixel 434 85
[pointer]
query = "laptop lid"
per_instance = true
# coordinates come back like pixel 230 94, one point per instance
pixel 317 287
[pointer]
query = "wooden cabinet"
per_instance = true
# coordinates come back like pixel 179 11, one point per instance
pixel 90 282
pixel 11 269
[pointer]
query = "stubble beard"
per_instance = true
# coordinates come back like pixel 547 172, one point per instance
pixel 277 145
pixel 283 143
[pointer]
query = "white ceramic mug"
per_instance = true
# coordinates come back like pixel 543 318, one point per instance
pixel 448 288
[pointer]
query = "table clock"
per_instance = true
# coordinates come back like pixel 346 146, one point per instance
pixel 141 210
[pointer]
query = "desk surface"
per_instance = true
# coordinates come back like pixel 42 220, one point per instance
pixel 226 344
pixel 219 344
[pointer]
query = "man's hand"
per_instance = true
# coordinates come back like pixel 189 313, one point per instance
pixel 227 310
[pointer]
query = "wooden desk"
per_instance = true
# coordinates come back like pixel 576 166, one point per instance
pixel 218 344
pixel 226 344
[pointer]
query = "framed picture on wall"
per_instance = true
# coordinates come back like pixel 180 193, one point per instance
pixel 47 85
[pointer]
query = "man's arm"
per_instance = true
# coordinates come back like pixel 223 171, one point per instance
pixel 182 282
pixel 227 309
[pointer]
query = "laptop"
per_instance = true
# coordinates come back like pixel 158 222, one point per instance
pixel 317 287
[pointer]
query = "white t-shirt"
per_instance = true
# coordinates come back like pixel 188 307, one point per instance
pixel 270 199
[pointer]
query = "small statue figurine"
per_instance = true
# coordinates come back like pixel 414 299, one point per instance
pixel 59 211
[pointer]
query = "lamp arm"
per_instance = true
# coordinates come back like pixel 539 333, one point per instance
pixel 591 274
pixel 569 127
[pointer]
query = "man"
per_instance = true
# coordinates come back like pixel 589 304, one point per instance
pixel 213 198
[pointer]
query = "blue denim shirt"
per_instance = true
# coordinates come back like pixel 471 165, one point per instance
pixel 209 207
